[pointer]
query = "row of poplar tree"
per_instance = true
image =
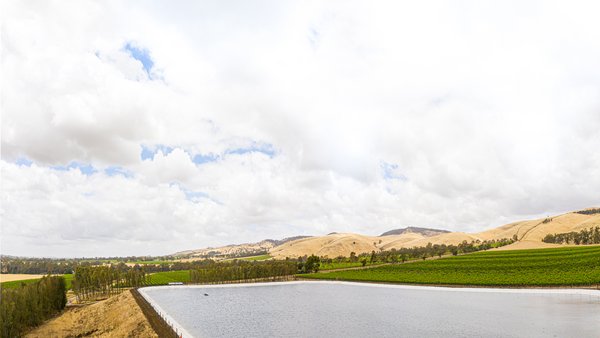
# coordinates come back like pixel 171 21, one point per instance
pixel 242 270
pixel 93 282
pixel 29 305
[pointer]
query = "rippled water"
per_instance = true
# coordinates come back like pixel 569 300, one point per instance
pixel 330 309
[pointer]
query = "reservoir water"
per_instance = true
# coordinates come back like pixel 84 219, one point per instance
pixel 340 309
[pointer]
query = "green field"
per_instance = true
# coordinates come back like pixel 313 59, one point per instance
pixel 163 278
pixel 68 279
pixel 256 258
pixel 540 267
pixel 339 265
pixel 250 258
pixel 17 283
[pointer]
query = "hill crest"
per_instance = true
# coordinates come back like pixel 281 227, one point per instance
pixel 427 232
pixel 528 232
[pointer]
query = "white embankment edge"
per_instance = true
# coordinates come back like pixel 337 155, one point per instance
pixel 186 334
pixel 565 291
pixel 170 320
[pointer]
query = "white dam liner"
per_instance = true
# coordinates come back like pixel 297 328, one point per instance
pixel 592 293
pixel 161 312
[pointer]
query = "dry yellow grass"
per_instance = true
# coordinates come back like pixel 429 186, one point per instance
pixel 530 234
pixel 11 277
pixel 117 316
pixel 331 245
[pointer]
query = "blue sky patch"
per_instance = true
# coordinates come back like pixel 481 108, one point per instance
pixel 142 55
pixel 204 158
pixel 264 148
pixel 86 169
pixel 193 196
pixel 391 172
pixel 149 152
pixel 115 170
pixel 23 161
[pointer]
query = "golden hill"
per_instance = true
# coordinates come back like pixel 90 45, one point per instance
pixel 530 234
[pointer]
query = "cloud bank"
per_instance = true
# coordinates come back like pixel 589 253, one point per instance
pixel 146 128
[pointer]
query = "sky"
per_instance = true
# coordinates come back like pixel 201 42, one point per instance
pixel 151 127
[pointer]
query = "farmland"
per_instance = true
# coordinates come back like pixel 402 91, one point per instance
pixel 256 258
pixel 575 266
pixel 17 283
pixel 153 262
pixel 163 278
pixel 339 265
pixel 250 258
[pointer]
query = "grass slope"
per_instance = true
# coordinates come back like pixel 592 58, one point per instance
pixel 256 258
pixel 536 267
pixel 339 265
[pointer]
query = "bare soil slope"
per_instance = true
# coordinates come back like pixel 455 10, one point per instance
pixel 117 316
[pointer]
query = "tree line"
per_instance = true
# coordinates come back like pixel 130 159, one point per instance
pixel 404 254
pixel 28 265
pixel 589 211
pixel 585 236
pixel 242 270
pixel 93 282
pixel 37 265
pixel 21 265
pixel 28 306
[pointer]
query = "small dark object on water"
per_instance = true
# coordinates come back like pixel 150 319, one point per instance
pixel 206 294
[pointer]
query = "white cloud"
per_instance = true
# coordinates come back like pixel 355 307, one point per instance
pixel 490 110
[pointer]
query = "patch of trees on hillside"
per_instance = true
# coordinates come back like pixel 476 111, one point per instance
pixel 585 236
pixel 29 305
pixel 589 211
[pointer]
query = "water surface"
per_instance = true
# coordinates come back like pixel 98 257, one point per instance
pixel 340 309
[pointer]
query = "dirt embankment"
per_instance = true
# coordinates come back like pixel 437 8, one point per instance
pixel 160 326
pixel 117 316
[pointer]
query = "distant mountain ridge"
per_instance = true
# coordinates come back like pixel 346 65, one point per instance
pixel 427 232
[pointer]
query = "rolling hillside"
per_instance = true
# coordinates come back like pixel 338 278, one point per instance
pixel 529 233
pixel 236 250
